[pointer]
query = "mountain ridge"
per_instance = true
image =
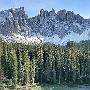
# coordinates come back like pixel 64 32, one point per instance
pixel 47 26
pixel 62 24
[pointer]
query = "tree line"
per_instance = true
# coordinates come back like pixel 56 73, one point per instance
pixel 45 63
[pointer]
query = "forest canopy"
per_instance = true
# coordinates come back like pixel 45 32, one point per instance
pixel 45 63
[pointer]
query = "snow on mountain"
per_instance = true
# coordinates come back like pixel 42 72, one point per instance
pixel 76 37
pixel 17 38
pixel 55 39
pixel 70 37
pixel 14 20
pixel 48 26
pixel 49 23
pixel 85 35
pixel 60 27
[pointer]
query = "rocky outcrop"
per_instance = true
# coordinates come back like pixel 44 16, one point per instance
pixel 49 23
pixel 61 15
pixel 48 26
pixel 14 21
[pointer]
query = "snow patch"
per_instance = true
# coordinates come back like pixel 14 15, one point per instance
pixel 22 39
pixel 70 37
pixel 55 39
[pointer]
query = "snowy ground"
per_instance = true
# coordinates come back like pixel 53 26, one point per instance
pixel 37 38
pixel 70 37
pixel 21 39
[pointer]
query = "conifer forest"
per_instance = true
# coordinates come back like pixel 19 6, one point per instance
pixel 45 63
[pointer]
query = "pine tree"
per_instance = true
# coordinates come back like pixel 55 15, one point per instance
pixel 26 61
pixel 1 68
pixel 14 64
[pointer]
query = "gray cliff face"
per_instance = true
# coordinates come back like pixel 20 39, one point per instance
pixel 14 21
pixel 61 23
pixel 48 26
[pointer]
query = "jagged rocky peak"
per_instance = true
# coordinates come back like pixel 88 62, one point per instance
pixel 70 16
pixel 45 13
pixel 47 26
pixel 61 15
pixel 52 12
pixel 79 18
pixel 14 20
pixel 62 23
pixel 64 15
pixel 42 13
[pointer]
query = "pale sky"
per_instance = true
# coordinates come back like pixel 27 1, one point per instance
pixel 32 7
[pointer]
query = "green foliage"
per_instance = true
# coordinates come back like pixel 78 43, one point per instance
pixel 45 63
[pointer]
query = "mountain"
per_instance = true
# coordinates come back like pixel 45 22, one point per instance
pixel 47 26
pixel 14 28
pixel 60 27
pixel 14 21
